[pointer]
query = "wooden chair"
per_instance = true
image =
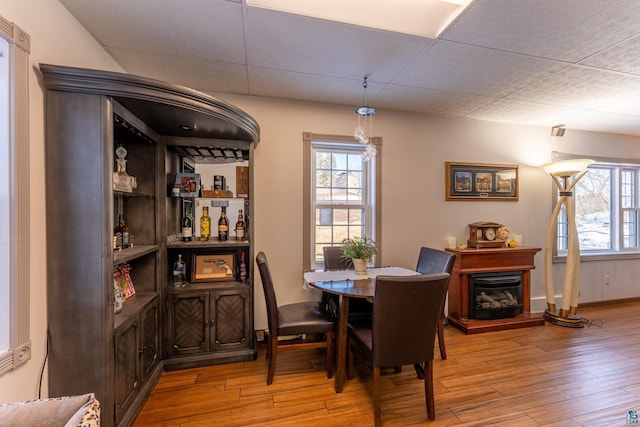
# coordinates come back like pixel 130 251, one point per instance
pixel 293 319
pixel 406 310
pixel 432 261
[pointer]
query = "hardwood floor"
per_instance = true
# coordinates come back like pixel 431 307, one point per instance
pixel 539 376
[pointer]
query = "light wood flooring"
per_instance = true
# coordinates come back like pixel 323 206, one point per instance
pixel 539 376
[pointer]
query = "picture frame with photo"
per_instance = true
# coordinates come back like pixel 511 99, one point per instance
pixel 481 181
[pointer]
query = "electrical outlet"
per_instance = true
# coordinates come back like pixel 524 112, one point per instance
pixel 606 280
pixel 259 335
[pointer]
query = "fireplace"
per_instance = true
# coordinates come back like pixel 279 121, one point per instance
pixel 495 295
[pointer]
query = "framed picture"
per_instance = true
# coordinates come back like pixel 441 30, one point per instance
pixel 481 181
pixel 213 267
pixel 189 184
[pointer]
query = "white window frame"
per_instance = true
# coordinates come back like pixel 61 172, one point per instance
pixel 617 249
pixel 16 289
pixel 372 197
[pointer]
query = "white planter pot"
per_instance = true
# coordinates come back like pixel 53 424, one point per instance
pixel 360 266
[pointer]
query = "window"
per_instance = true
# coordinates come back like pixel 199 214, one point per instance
pixel 607 209
pixel 341 194
pixel 15 347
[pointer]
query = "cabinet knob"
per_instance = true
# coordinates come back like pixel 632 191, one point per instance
pixel 142 349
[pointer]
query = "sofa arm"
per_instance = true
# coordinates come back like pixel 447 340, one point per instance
pixel 67 411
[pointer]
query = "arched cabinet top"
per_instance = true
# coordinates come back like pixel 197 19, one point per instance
pixel 166 107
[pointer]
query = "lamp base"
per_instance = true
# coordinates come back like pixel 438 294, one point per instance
pixel 570 321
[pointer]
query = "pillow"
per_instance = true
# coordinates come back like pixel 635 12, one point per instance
pixel 67 411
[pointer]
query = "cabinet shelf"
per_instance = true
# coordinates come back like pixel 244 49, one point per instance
pixel 132 194
pixel 212 243
pixel 132 307
pixel 129 254
pixel 208 285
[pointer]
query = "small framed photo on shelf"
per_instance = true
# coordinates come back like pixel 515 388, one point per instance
pixel 481 181
pixel 213 267
pixel 188 184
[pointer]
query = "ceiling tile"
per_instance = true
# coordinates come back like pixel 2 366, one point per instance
pixel 620 57
pixel 198 74
pixel 445 66
pixel 566 30
pixel 307 45
pixel 207 29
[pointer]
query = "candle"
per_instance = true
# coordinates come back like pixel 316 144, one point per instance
pixel 452 242
pixel 518 239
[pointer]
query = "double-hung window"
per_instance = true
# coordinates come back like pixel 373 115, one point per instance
pixel 607 205
pixel 341 194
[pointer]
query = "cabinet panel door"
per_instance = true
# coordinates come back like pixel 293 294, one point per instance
pixel 231 319
pixel 127 372
pixel 188 323
pixel 149 348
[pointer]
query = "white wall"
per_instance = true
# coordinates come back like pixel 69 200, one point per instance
pixel 414 212
pixel 56 38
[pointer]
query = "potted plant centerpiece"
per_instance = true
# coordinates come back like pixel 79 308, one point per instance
pixel 359 250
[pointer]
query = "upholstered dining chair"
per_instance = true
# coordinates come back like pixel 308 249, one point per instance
pixel 436 261
pixel 293 319
pixel 406 310
pixel 333 260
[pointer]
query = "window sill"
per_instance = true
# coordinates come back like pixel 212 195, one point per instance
pixel 599 256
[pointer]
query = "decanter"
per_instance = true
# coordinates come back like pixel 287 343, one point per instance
pixel 122 181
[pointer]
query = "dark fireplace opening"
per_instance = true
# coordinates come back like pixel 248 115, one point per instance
pixel 495 295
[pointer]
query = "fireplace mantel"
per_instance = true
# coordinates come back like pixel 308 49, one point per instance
pixel 472 261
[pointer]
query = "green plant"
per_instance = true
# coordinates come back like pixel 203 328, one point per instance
pixel 359 248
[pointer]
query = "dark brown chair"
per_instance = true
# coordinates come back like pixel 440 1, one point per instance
pixel 433 261
pixel 293 319
pixel 333 260
pixel 406 310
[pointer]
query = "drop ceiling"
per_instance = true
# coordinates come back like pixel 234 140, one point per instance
pixel 533 62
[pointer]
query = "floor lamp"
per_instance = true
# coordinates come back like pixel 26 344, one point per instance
pixel 562 172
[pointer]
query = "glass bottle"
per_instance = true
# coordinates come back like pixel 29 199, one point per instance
pixel 178 279
pixel 223 225
pixel 125 233
pixel 122 181
pixel 205 224
pixel 187 227
pixel 117 232
pixel 240 226
pixel 243 268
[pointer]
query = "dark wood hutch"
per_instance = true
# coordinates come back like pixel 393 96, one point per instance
pixel 489 260
pixel 120 357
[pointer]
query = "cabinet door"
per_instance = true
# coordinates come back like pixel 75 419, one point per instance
pixel 149 337
pixel 231 327
pixel 188 323
pixel 127 370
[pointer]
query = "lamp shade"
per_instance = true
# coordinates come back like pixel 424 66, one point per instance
pixel 566 168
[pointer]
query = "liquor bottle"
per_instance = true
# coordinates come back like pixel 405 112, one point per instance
pixel 187 227
pixel 117 231
pixel 243 268
pixel 223 225
pixel 205 224
pixel 240 227
pixel 125 233
pixel 178 280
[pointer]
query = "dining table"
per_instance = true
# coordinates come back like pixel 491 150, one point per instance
pixel 346 284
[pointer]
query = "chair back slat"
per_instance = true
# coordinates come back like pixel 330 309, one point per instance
pixel 405 315
pixel 269 293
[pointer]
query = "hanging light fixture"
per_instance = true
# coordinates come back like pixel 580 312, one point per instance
pixel 364 128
